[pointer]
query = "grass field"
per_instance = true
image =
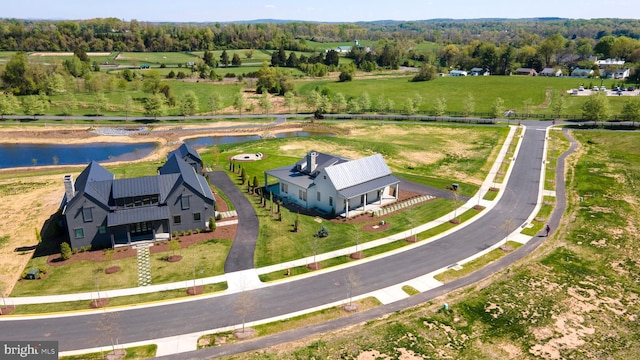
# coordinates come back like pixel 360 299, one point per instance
pixel 575 297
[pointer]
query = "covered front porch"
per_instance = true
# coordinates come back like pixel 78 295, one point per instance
pixel 368 197
pixel 131 226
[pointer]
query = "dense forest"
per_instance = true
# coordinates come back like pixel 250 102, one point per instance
pixel 111 34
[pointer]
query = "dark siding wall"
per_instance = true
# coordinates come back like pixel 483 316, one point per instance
pixel 75 220
pixel 196 205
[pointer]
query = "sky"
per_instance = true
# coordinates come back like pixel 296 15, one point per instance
pixel 322 10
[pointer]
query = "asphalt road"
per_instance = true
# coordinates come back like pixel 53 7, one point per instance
pixel 82 331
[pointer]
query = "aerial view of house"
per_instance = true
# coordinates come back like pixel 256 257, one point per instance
pixel 101 211
pixel 335 185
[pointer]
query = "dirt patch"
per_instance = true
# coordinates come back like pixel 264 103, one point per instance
pixel 195 290
pixel 174 258
pixel 99 303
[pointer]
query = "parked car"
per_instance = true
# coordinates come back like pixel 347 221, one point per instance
pixel 615 88
pixel 595 88
pixel 631 88
pixel 603 88
pixel 574 91
pixel 581 88
pixel 623 89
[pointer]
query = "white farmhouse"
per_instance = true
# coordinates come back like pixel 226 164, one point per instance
pixel 335 185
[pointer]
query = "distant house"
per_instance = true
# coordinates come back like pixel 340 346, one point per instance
pixel 581 73
pixel 101 211
pixel 458 73
pixel 526 72
pixel 333 184
pixel 343 49
pixel 190 155
pixel 549 71
pixel 476 71
pixel 621 74
pixel 610 62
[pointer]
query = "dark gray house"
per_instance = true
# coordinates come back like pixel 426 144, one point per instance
pixel 102 211
pixel 190 155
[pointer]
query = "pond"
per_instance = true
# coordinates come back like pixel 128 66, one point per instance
pixel 21 155
pixel 219 140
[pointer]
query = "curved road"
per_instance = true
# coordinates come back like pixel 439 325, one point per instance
pixel 82 331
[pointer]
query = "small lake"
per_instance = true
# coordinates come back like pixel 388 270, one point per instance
pixel 219 140
pixel 21 155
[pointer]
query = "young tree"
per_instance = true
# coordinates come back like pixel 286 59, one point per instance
pixel 155 105
pixel 497 108
pixel 339 102
pixel 239 102
pixel 100 103
pixel 289 100
pixel 364 101
pixel 631 109
pixel 215 102
pixel 558 103
pixel 127 104
pixel 35 104
pixel 596 108
pixel 265 103
pixel 188 103
pixel 212 224
pixel 9 104
pixel 440 106
pixel 468 105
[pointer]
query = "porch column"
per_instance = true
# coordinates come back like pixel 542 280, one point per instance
pixel 380 195
pixel 153 231
pixel 128 234
pixel 265 181
pixel 346 208
pixel 113 240
pixel 364 205
pixel 397 190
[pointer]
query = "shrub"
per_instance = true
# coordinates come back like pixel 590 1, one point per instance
pixel 212 224
pixel 175 234
pixel 190 232
pixel 218 216
pixel 183 233
pixel 42 269
pixel 65 251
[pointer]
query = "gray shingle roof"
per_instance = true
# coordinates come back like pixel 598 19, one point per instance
pixel 139 214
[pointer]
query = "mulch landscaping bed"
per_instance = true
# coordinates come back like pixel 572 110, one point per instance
pixel 99 303
pixel 112 269
pixel 195 290
pixel 7 310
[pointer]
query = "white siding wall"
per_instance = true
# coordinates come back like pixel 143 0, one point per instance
pixel 326 190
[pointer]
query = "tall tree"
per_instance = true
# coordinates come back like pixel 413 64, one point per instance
pixel 224 58
pixel 631 109
pixel 16 76
pixel 155 105
pixel 236 61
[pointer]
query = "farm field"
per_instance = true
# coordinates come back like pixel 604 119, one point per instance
pixel 576 297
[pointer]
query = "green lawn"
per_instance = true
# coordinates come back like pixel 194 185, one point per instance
pixel 138 352
pixel 83 276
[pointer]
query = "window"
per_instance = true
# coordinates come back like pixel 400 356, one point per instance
pixel 87 214
pixel 102 230
pixel 177 219
pixel 79 233
pixel 184 202
pixel 330 200
pixel 141 228
pixel 318 196
pixel 302 195
pixel 284 188
pixel 196 216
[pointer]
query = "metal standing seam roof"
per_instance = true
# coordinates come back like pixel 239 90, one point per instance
pixel 357 171
pixel 368 186
pixel 184 150
pixel 95 181
pixel 176 165
pixel 139 214
pixel 146 185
